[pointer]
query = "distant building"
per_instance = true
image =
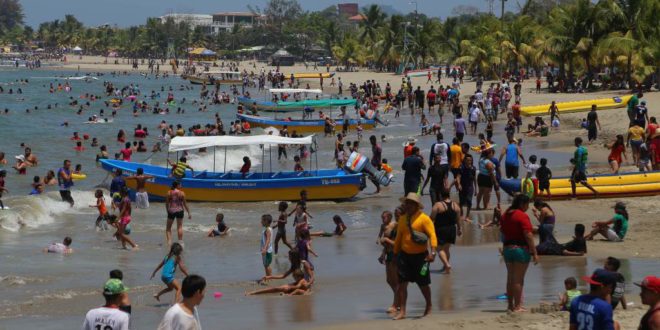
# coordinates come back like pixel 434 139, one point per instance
pixel 347 9
pixel 194 20
pixel 225 21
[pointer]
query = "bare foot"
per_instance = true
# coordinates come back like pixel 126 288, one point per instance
pixel 427 310
pixel 399 316
pixel 520 310
pixel 391 310
pixel 447 270
pixel 157 297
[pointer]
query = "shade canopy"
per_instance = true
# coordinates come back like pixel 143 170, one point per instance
pixel 181 143
pixel 295 90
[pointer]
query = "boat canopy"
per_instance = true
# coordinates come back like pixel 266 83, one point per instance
pixel 181 143
pixel 295 90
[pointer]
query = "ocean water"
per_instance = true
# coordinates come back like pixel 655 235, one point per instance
pixel 49 291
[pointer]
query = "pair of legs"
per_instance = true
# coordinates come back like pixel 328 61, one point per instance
pixel 483 193
pixel 281 236
pixel 174 285
pixel 123 237
pixel 284 289
pixel 515 280
pixel 402 292
pixel 168 230
pixel 392 278
pixel 582 179
pixel 443 253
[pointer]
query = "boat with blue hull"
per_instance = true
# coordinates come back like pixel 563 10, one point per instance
pixel 230 186
pixel 305 125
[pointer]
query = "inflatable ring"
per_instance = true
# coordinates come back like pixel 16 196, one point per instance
pixel 75 176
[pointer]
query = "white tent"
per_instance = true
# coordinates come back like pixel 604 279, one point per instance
pixel 77 49
pixel 181 143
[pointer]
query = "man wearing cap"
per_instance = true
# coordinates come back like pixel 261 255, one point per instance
pixel 413 166
pixel 108 316
pixel 650 296
pixel 414 253
pixel 591 310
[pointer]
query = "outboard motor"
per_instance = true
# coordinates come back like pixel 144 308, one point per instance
pixel 358 162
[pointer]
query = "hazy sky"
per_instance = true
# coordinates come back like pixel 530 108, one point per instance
pixel 133 12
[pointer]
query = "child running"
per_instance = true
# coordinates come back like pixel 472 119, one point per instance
pixel 169 264
pixel 102 219
pixel 281 226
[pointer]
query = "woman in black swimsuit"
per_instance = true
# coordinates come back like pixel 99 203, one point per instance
pixel 445 214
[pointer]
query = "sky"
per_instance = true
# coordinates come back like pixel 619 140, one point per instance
pixel 134 12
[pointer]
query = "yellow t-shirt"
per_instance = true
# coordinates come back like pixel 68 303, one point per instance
pixel 456 156
pixel 636 133
pixel 421 223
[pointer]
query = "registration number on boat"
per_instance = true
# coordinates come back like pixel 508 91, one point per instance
pixel 329 181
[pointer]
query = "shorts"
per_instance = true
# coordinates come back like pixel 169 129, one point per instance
pixel 411 186
pixel 474 123
pixel 465 197
pixel 516 254
pixel 267 259
pixel 579 176
pixel 612 236
pixel 460 136
pixel 484 181
pixel 446 234
pixel 518 121
pixel 511 171
pixel 409 267
pixel 124 221
pixel 167 279
pixel 592 133
pixel 142 200
pixel 544 185
pixel 175 215
pixel 66 196
pixel 455 171
pixel 635 144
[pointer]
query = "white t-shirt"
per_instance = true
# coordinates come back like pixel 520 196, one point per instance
pixel 531 168
pixel 479 96
pixel 474 114
pixel 441 149
pixel 106 319
pixel 57 248
pixel 177 319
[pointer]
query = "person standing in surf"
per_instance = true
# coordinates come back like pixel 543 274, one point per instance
pixel 65 182
pixel 141 196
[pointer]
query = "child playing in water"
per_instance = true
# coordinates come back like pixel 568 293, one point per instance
pixel 571 293
pixel 63 247
pixel 102 219
pixel 281 226
pixel 340 228
pixel 497 216
pixel 3 175
pixel 299 286
pixel 222 228
pixel 267 243
pixel 169 264
pixel 37 186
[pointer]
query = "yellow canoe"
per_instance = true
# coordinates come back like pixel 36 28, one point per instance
pixel 312 75
pixel 577 106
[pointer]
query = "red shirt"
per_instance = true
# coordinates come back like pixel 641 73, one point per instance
pixel 126 154
pixel 655 146
pixel 407 151
pixel 245 168
pixel 616 152
pixel 516 110
pixel 514 225
pixel 652 128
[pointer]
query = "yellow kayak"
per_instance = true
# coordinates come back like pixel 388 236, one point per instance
pixel 577 106
pixel 312 75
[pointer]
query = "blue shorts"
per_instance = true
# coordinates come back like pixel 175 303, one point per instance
pixel 516 254
pixel 166 279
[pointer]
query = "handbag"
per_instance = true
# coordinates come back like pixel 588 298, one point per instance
pixel 417 236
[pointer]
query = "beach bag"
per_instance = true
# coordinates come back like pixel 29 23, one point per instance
pixel 417 236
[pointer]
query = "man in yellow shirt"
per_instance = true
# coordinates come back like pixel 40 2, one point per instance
pixel 455 157
pixel 415 247
pixel 636 136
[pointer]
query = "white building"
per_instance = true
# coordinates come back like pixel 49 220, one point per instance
pixel 194 20
pixel 225 21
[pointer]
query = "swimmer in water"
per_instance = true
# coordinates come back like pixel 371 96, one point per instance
pixel 63 247
pixel 340 228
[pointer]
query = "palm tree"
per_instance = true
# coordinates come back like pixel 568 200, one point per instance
pixel 349 51
pixel 636 23
pixel 389 43
pixel 372 20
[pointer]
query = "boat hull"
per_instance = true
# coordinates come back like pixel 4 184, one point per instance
pixel 292 106
pixel 312 75
pixel 207 81
pixel 577 106
pixel 302 126
pixel 608 186
pixel 212 187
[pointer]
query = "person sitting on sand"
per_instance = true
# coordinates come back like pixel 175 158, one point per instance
pixel 296 264
pixel 299 286
pixel 64 247
pixel 222 228
pixel 619 228
pixel 576 247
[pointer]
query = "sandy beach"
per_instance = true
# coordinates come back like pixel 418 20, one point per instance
pixel 476 252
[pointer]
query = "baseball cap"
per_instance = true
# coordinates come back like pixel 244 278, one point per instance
pixel 600 277
pixel 651 283
pixel 114 286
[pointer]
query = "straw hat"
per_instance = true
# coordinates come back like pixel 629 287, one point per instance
pixel 411 140
pixel 412 197
pixel 20 157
